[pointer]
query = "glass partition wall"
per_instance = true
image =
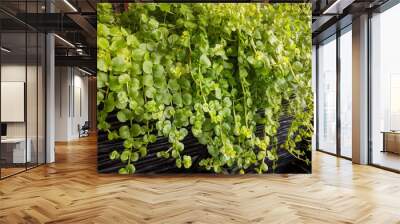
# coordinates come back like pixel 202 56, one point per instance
pixel 334 91
pixel 13 85
pixel 22 77
pixel 334 94
pixel 385 89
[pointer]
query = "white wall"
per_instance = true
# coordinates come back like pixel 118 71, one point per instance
pixel 70 83
pixel 79 117
pixel 13 72
pixel 62 81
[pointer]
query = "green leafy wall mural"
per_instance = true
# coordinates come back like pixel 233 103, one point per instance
pixel 215 72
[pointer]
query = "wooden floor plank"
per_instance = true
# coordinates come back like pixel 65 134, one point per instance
pixel 71 191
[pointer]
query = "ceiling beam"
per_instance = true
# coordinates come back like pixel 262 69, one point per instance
pixel 86 27
pixel 49 22
pixel 337 7
pixel 320 22
pixel 81 61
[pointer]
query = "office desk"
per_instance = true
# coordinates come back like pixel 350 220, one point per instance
pixel 16 147
pixel 391 141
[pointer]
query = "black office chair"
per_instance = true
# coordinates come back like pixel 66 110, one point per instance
pixel 84 130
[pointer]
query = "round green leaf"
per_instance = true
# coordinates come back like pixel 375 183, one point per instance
pixel 125 156
pixel 204 60
pixel 124 132
pixel 187 161
pixel 122 116
pixel 147 67
pixel 148 80
pixel 102 43
pixel 136 130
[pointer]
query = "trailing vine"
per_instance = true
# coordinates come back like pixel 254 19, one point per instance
pixel 163 68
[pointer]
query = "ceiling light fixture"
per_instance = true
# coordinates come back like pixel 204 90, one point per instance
pixel 5 50
pixel 70 5
pixel 84 71
pixel 64 40
pixel 80 51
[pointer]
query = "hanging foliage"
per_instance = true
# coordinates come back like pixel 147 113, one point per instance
pixel 167 69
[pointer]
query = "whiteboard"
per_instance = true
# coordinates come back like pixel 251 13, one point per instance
pixel 12 101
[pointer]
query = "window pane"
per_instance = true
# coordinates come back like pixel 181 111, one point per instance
pixel 346 94
pixel 327 96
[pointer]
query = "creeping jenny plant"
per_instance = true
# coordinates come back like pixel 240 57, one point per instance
pixel 169 69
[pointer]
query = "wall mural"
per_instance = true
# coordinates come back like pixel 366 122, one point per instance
pixel 204 88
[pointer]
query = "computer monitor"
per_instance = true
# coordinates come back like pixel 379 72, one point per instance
pixel 3 129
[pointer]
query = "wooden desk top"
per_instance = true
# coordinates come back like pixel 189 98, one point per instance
pixel 391 132
pixel 14 140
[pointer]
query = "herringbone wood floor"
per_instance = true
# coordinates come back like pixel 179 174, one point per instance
pixel 71 191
